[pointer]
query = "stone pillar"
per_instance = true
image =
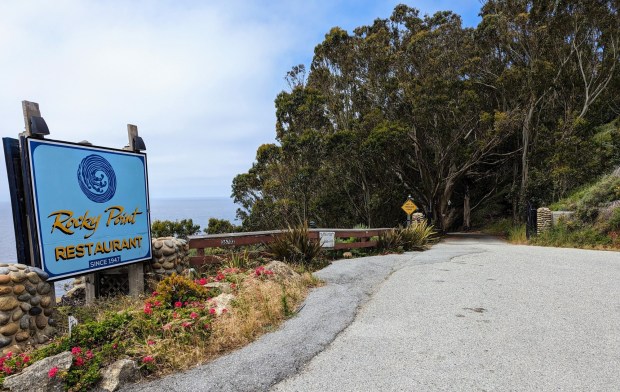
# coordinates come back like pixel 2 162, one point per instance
pixel 417 217
pixel 544 219
pixel 26 305
pixel 170 255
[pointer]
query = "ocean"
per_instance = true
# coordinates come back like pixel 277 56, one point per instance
pixel 199 210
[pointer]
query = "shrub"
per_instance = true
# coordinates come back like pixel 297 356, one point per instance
pixel 417 235
pixel 295 246
pixel 218 226
pixel 390 241
pixel 11 363
pixel 180 229
pixel 572 234
pixel 176 288
pixel 614 220
pixel 96 333
pixel 517 234
pixel 499 227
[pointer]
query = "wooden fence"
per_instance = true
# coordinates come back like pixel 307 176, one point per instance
pixel 363 239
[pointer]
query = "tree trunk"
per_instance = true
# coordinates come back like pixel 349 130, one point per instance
pixel 526 138
pixel 466 210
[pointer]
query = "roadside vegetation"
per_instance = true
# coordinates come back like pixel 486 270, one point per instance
pixel 596 222
pixel 185 321
pixel 195 317
pixel 521 107
pixel 507 229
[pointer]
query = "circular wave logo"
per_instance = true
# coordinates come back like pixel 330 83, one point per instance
pixel 97 179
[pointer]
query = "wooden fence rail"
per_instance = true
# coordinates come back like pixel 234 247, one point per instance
pixel 230 240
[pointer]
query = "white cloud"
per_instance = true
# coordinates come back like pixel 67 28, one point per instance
pixel 197 77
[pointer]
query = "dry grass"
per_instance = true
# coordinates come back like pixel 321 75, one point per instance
pixel 260 306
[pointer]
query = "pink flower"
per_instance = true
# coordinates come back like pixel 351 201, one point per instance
pixel 202 281
pixel 148 309
pixel 89 354
pixel 79 361
pixel 175 315
pixel 25 358
pixel 186 324
pixel 150 342
pixel 8 355
pixel 178 304
pixel 212 311
pixel 148 359
pixel 115 346
pixel 224 310
pixel 167 327
pixel 154 294
pixel 193 315
pixel 76 351
pixel 206 326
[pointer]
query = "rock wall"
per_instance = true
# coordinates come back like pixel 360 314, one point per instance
pixel 561 215
pixel 544 219
pixel 417 217
pixel 26 305
pixel 170 255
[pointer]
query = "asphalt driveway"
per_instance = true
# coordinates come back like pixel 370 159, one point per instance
pixel 471 314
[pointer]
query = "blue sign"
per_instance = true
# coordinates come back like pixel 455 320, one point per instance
pixel 91 206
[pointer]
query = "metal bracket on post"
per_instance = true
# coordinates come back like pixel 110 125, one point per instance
pixel 136 270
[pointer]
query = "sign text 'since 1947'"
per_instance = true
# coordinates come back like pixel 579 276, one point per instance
pixel 91 206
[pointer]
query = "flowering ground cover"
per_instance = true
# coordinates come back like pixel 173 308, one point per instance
pixel 184 322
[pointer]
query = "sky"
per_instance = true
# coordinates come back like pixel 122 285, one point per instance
pixel 198 78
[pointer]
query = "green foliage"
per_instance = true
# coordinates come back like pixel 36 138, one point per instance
pixel 13 363
pixel 517 234
pixel 95 333
pixel 176 288
pixel 295 246
pixel 85 372
pixel 180 229
pixel 242 260
pixel 573 235
pixel 614 220
pixel 500 227
pixel 417 235
pixel 596 221
pixel 218 226
pixel 421 105
pixel 390 241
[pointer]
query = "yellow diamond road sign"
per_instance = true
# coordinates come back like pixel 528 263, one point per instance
pixel 409 207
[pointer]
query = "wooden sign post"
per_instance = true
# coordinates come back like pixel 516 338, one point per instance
pixel 409 207
pixel 54 183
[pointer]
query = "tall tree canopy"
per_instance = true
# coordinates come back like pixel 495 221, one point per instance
pixel 456 117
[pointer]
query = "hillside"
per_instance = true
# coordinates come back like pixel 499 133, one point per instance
pixel 596 223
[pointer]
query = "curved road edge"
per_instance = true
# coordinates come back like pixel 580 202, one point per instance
pixel 326 312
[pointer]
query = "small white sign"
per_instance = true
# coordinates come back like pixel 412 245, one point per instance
pixel 72 323
pixel 327 238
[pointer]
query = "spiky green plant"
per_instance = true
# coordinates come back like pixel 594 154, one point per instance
pixel 295 246
pixel 390 240
pixel 417 236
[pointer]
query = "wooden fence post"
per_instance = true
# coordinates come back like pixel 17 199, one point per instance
pixel 136 270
